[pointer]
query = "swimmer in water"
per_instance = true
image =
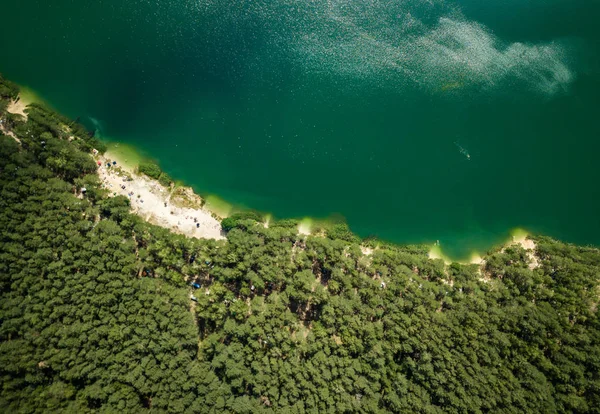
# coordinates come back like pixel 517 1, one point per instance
pixel 463 151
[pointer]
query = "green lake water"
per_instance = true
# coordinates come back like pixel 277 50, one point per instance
pixel 414 120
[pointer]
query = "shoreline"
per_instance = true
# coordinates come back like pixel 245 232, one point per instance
pixel 183 205
pixel 518 236
pixel 17 107
pixel 175 208
pixel 216 206
pixel 131 156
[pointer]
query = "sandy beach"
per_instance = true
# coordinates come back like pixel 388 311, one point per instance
pixel 519 237
pixel 18 107
pixel 8 133
pixel 15 107
pixel 176 208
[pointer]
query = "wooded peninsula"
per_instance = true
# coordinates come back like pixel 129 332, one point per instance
pixel 101 311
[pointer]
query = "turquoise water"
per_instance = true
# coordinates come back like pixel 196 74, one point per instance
pixel 417 120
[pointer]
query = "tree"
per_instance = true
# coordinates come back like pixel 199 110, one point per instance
pixel 96 315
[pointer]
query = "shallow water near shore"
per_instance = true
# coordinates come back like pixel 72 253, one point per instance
pixel 416 122
pixel 125 154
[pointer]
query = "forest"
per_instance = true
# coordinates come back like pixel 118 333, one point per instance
pixel 96 312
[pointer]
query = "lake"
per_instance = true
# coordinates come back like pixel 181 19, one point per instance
pixel 416 121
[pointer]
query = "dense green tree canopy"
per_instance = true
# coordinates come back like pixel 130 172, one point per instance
pixel 149 168
pixel 96 316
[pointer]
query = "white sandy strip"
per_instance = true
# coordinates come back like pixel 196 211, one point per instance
pixel 14 108
pixel 17 108
pixel 305 227
pixel 367 251
pixel 8 133
pixel 436 253
pixel 528 245
pixel 148 201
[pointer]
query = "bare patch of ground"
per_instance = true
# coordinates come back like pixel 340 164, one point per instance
pixel 17 107
pixel 177 209
pixel 525 242
pixel 367 251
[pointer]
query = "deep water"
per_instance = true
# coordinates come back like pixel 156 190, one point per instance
pixel 416 121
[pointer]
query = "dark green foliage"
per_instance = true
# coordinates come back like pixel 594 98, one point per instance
pixel 341 231
pixel 150 168
pixel 92 184
pixel 8 90
pixel 243 219
pixel 165 180
pixel 286 224
pixel 95 313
